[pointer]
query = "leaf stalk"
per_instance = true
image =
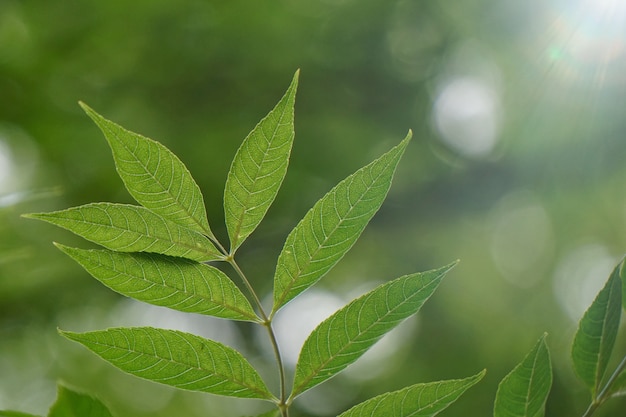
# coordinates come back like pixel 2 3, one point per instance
pixel 249 287
pixel 604 394
pixel 267 323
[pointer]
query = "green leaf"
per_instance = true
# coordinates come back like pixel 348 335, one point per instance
pixel 421 400
pixel 524 391
pixel 596 334
pixel 176 358
pixel 332 226
pixel 258 169
pixel 9 413
pixel 128 228
pixel 622 274
pixel 346 335
pixel 176 283
pixel 154 176
pixel 73 404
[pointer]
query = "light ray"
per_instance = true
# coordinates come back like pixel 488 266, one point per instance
pixel 588 42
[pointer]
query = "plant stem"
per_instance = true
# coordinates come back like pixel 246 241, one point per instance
pixel 255 297
pixel 603 396
pixel 267 323
pixel 592 408
pixel 613 377
pixel 220 248
pixel 284 411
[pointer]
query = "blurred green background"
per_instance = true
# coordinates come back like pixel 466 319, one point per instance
pixel 517 168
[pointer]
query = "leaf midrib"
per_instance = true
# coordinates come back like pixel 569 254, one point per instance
pixel 193 248
pixel 251 388
pixel 356 339
pixel 221 304
pixel 292 281
pixel 256 177
pixel 167 190
pixel 465 384
pixel 530 385
pixel 601 347
pixel 440 400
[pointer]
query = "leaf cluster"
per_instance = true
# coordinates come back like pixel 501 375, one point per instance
pixel 524 392
pixel 162 251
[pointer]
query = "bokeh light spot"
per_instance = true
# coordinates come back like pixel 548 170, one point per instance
pixel 466 114
pixel 6 165
pixel 298 318
pixel 579 277
pixel 133 313
pixel 19 159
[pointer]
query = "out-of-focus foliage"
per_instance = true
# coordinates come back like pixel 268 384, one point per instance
pixel 517 168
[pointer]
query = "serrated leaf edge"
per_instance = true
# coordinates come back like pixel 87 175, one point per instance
pixel 536 350
pixel 439 274
pixel 102 123
pixel 235 238
pixel 471 381
pixel 263 392
pixel 286 292
pixel 246 315
pixel 213 255
pixel 612 288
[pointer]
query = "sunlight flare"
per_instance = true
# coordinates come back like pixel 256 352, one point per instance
pixel 588 42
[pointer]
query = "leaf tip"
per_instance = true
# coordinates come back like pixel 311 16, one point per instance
pixel 475 379
pixel 294 82
pixel 90 112
pixel 60 246
pixel 84 106
pixel 65 333
pixel 69 251
pixel 73 336
pixel 402 145
pixel 447 268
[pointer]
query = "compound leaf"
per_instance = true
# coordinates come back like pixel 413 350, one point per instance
pixel 421 400
pixel 332 226
pixel 346 335
pixel 524 391
pixel 258 169
pixel 128 228
pixel 73 404
pixel 175 358
pixel 154 176
pixel 176 283
pixel 596 333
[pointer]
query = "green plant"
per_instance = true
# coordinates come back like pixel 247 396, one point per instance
pixel 162 250
pixel 525 390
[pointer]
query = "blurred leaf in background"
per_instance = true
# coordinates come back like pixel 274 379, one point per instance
pixel 517 168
